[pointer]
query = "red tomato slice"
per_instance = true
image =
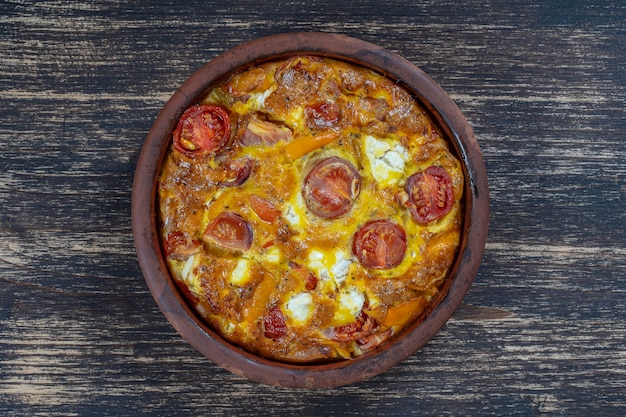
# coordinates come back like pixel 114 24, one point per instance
pixel 379 244
pixel 274 326
pixel 430 194
pixel 358 329
pixel 177 246
pixel 331 187
pixel 264 208
pixel 202 130
pixel 321 115
pixel 173 242
pixel 230 231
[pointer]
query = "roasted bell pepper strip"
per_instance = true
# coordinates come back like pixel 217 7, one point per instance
pixel 261 297
pixel 303 145
pixel 401 314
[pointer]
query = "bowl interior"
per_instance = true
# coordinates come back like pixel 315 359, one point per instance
pixel 473 235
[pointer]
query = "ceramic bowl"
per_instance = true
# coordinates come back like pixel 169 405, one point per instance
pixel 473 236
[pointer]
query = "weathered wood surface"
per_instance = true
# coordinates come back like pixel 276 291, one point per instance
pixel 543 328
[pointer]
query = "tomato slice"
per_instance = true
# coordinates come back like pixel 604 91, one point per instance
pixel 430 194
pixel 358 329
pixel 379 244
pixel 321 115
pixel 229 230
pixel 174 241
pixel 264 208
pixel 177 246
pixel 202 130
pixel 331 187
pixel 274 326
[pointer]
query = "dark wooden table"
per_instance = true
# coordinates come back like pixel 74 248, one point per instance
pixel 542 331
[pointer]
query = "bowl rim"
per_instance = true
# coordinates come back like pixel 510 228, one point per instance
pixel 460 277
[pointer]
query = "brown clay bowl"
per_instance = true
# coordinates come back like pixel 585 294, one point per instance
pixel 473 237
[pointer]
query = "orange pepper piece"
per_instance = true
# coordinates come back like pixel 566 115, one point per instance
pixel 261 297
pixel 264 208
pixel 303 145
pixel 402 313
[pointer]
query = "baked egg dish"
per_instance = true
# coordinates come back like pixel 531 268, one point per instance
pixel 309 209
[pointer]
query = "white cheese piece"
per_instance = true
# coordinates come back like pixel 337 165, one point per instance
pixel 316 262
pixel 300 307
pixel 375 148
pixel 241 273
pixel 330 267
pixel 316 259
pixel 350 305
pixel 291 216
pixel 295 211
pixel 386 159
pixel 273 255
pixel 352 300
pixel 258 100
pixel 188 275
pixel 396 157
pixel 341 267
pixel 185 273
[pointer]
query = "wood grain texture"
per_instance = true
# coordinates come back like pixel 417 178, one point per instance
pixel 543 328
